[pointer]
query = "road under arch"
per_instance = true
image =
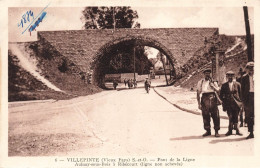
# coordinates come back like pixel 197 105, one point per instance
pixel 101 63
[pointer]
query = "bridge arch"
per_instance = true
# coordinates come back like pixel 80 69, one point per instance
pixel 102 58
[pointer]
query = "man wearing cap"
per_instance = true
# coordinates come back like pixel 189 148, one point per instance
pixel 208 102
pixel 247 87
pixel 230 94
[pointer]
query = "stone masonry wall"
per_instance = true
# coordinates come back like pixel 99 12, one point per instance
pixel 81 46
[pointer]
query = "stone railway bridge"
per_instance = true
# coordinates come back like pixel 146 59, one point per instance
pixel 88 48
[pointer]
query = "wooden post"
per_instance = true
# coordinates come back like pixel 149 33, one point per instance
pixel 248 35
pixel 134 62
pixel 212 67
pixel 218 55
pixel 217 66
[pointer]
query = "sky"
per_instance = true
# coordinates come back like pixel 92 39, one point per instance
pixel 229 20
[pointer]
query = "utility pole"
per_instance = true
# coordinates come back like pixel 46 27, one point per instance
pixel 114 19
pixel 134 61
pixel 248 35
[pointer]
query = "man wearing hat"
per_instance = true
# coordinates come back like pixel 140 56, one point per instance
pixel 230 94
pixel 208 102
pixel 247 87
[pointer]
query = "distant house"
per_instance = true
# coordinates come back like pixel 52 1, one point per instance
pixel 157 64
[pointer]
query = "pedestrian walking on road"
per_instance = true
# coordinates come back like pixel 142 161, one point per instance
pixel 247 87
pixel 230 95
pixel 131 83
pixel 135 83
pixel 208 102
pixel 128 83
pixel 115 84
pixel 147 85
pixel 125 81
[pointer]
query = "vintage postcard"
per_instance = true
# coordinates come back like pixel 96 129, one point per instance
pixel 129 83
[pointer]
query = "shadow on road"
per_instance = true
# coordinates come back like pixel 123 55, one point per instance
pixel 189 138
pixel 119 89
pixel 139 87
pixel 201 137
pixel 227 140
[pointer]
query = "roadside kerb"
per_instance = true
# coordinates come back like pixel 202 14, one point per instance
pixel 181 108
pixel 20 103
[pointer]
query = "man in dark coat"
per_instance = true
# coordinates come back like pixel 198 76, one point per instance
pixel 242 111
pixel 208 102
pixel 115 84
pixel 134 83
pixel 128 83
pixel 147 84
pixel 125 81
pixel 247 86
pixel 230 94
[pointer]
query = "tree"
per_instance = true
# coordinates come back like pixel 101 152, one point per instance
pixel 122 62
pixel 105 17
pixel 120 17
pixel 90 15
pixel 143 64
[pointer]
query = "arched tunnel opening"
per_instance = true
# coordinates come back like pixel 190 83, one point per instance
pixel 119 56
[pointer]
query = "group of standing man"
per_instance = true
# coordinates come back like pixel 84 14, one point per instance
pixel 130 83
pixel 233 96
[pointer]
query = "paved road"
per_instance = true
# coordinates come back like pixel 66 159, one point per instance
pixel 126 122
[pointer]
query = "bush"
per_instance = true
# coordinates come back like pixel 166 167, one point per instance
pixel 64 66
